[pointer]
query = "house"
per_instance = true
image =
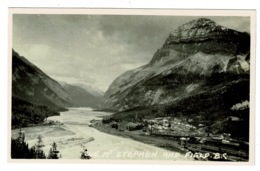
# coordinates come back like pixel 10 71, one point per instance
pixel 217 136
pixel 134 126
pixel 152 121
pixel 165 121
pixel 114 125
pixel 190 120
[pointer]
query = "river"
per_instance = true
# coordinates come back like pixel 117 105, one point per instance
pixel 74 134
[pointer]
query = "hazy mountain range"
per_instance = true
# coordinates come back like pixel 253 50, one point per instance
pixel 83 95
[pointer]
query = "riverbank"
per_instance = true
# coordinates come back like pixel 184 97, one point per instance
pixel 74 134
pixel 167 144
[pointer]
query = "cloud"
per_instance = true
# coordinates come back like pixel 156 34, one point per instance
pixel 241 24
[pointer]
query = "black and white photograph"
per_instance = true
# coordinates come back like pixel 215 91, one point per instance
pixel 129 86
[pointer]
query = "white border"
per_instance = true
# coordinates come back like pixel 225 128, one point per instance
pixel 184 4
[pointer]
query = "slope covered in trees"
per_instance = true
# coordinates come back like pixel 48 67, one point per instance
pixel 28 114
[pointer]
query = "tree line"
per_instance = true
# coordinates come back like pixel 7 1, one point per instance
pixel 21 150
pixel 26 114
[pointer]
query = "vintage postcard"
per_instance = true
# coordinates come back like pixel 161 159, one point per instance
pixel 132 85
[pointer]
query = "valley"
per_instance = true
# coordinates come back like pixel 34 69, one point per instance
pixel 73 134
pixel 190 101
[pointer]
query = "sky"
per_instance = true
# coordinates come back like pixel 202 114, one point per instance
pixel 96 49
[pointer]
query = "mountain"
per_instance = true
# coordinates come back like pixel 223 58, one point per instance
pixel 33 85
pixel 90 89
pixel 35 95
pixel 83 95
pixel 201 71
pixel 192 53
pixel 206 36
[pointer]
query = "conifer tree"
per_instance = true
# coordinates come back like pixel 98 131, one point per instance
pixel 54 153
pixel 39 149
pixel 19 148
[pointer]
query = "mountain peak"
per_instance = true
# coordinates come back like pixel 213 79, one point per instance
pixel 199 30
pixel 201 22
pixel 201 35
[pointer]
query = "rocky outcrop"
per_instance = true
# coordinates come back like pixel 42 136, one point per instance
pixel 204 35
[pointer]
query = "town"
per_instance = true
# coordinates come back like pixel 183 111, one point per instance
pixel 197 142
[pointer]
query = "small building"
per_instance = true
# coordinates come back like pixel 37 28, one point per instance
pixel 114 125
pixel 217 136
pixel 165 121
pixel 133 126
pixel 183 141
pixel 152 122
